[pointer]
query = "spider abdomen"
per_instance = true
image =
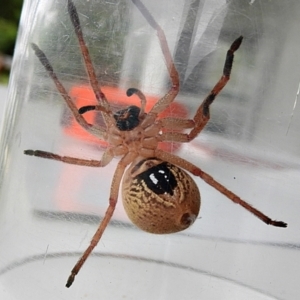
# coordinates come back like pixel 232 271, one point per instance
pixel 159 197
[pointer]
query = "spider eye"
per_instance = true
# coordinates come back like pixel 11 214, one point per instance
pixel 128 118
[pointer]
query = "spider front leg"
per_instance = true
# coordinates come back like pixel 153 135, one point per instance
pixel 100 97
pixel 164 102
pixel 184 164
pixel 202 115
pixel 93 129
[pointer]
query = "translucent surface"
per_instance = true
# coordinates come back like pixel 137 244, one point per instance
pixel 50 210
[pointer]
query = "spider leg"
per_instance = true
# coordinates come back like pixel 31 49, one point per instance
pixel 65 159
pixel 93 129
pixel 113 198
pixel 184 164
pixel 202 115
pixel 164 102
pixel 106 158
pixel 88 62
pixel 176 123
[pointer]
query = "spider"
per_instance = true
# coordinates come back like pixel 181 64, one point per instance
pixel 158 193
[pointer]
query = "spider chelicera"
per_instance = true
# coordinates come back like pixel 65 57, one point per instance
pixel 159 196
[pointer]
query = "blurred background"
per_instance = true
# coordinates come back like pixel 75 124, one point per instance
pixel 9 21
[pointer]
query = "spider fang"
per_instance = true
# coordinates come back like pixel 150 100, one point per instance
pixel 128 118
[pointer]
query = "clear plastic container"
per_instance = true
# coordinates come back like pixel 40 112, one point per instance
pixel 49 210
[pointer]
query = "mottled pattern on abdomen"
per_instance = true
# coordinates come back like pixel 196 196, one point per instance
pixel 162 199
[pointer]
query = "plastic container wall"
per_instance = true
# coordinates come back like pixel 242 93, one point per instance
pixel 49 210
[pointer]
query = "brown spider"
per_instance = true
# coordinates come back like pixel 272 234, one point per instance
pixel 158 195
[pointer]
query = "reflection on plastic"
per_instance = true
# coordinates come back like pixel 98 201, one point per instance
pixel 250 121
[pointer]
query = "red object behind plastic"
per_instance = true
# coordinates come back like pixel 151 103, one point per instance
pixel 83 95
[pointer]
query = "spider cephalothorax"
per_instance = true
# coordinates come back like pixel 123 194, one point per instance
pixel 159 195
